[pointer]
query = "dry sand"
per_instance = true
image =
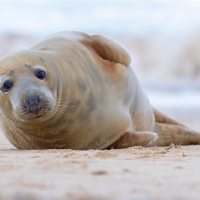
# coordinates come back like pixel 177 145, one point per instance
pixel 134 173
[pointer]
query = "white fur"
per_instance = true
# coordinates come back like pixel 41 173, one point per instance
pixel 2 78
pixel 46 91
pixel 14 98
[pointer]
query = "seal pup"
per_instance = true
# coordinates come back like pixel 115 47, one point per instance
pixel 78 91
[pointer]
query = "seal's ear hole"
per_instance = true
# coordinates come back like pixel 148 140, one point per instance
pixel 40 74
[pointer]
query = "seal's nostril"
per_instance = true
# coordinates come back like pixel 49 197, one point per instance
pixel 27 102
pixel 36 99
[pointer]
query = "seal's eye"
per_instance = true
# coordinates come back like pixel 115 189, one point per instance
pixel 40 73
pixel 7 85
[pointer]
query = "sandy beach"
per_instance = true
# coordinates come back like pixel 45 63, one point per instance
pixel 168 173
pixel 135 173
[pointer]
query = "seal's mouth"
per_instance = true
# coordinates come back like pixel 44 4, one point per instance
pixel 31 115
pixel 35 111
pixel 35 116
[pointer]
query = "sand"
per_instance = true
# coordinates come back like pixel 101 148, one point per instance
pixel 134 173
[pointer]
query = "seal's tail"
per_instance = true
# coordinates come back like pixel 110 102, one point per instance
pixel 170 131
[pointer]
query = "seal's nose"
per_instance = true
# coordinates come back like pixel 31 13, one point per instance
pixel 32 100
pixel 32 103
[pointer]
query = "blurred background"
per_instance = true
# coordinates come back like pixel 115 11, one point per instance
pixel 162 36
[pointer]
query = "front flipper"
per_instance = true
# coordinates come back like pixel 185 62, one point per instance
pixel 130 139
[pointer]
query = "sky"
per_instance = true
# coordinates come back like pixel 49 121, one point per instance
pixel 122 17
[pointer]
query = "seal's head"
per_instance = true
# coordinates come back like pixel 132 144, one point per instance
pixel 25 90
